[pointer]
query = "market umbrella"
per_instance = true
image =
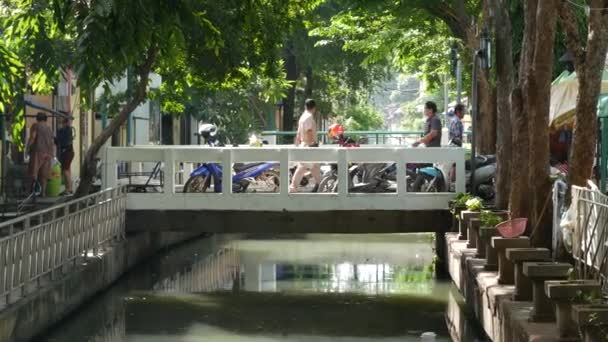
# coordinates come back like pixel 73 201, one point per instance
pixel 564 91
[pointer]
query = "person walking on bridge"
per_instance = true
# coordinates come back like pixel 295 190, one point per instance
pixel 432 127
pixel 456 129
pixel 306 137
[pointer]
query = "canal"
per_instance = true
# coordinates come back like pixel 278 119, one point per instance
pixel 304 288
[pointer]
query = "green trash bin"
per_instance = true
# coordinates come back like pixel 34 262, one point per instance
pixel 53 186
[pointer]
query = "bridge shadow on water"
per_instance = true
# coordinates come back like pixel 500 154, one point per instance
pixel 309 288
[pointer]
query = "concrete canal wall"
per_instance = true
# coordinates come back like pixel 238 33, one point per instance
pixel 34 313
pixel 502 318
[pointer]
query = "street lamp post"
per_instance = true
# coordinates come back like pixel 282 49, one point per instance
pixel 483 56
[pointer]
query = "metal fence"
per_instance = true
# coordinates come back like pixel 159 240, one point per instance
pixel 47 242
pixel 590 238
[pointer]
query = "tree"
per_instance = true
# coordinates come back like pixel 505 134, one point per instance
pixel 539 94
pixel 335 77
pixel 504 88
pixel 589 61
pixel 361 117
pixel 238 107
pixel 405 31
pixel 31 56
pixel 212 38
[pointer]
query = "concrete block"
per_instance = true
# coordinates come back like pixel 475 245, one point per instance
pixel 465 217
pixel 523 285
pixel 564 294
pixel 505 266
pixel 592 320
pixel 486 234
pixel 539 272
pixel 473 233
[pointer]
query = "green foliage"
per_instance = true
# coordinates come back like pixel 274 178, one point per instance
pixel 474 204
pixel 405 33
pixel 361 117
pixel 31 52
pixel 238 106
pixel 488 219
pixel 462 198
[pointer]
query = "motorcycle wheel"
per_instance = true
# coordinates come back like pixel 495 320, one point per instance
pixel 425 183
pixel 270 179
pixel 197 184
pixel 328 184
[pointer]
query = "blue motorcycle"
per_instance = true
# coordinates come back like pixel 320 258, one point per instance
pixel 201 179
pixel 244 174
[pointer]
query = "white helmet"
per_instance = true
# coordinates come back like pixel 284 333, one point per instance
pixel 207 130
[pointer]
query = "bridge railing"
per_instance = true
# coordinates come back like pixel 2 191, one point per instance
pixel 178 161
pixel 47 242
pixel 372 137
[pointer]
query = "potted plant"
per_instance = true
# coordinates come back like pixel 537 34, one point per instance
pixel 457 205
pixel 473 207
pixel 489 219
pixel 483 235
pixel 474 204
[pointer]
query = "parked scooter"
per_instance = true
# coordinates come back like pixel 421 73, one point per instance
pixel 439 178
pixel 244 173
pixel 361 177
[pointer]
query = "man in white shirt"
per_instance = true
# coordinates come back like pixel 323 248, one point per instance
pixel 306 137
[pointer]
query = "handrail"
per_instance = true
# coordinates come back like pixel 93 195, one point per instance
pixel 289 133
pixel 46 242
pixel 174 159
pixel 55 207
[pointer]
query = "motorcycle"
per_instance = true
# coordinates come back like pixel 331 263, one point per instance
pixel 362 178
pixel 244 173
pixel 440 177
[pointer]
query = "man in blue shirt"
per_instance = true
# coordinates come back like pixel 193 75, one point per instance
pixel 432 127
pixel 456 129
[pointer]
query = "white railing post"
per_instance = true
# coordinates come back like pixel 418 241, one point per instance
pixel 342 173
pixel 401 172
pixel 169 170
pixel 284 173
pixel 226 172
pixel 460 171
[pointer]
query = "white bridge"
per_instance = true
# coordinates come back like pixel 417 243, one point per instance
pixel 169 208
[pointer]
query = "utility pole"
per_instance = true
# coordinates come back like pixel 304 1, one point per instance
pixel 458 81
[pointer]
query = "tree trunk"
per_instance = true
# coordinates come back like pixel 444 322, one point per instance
pixel 519 204
pixel 88 170
pixel 289 101
pixel 504 86
pixel 486 118
pixel 540 96
pixel 519 199
pixel 309 83
pixel 589 64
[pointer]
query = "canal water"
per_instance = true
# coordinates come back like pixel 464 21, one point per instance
pixel 303 288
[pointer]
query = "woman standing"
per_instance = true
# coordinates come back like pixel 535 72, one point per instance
pixel 65 139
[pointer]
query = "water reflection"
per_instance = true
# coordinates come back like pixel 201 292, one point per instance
pixel 318 287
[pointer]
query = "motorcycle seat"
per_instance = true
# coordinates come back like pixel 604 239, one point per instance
pixel 239 167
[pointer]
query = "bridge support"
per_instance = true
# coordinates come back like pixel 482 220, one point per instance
pixel 243 221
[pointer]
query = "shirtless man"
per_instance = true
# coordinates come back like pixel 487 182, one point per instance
pixel 306 137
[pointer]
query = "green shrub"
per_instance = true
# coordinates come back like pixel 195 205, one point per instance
pixel 461 199
pixel 488 219
pixel 474 204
